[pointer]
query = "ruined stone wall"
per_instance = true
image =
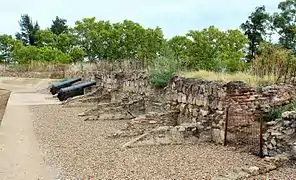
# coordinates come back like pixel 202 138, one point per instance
pixel 198 102
pixel 280 137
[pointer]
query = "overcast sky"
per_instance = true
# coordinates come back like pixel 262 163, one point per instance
pixel 175 17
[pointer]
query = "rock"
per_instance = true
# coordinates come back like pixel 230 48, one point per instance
pixel 237 174
pixel 275 133
pixel 285 115
pixel 271 123
pixel 269 146
pixel 277 161
pixel 220 112
pixel 81 114
pixel 265 137
pixel 184 98
pixel 204 112
pixel 152 122
pixel 254 170
pixel 273 142
pixel 289 131
pixel 287 123
pixel 289 115
pixel 265 151
pixel 217 136
pixel 294 151
pixel 181 129
pixel 163 128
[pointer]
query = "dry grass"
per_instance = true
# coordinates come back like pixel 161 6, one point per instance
pixel 226 77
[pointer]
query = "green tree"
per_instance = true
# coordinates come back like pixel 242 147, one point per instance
pixel 59 26
pixel 231 50
pixel 88 37
pixel 77 54
pixel 285 24
pixel 27 54
pixel 205 48
pixel 127 40
pixel 152 44
pixel 7 45
pixel 66 41
pixel 28 30
pixel 45 38
pixel 255 28
pixel 180 46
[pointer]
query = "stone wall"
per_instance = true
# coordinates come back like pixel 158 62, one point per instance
pixel 197 102
pixel 280 137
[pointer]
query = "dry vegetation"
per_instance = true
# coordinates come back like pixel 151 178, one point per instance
pixel 226 77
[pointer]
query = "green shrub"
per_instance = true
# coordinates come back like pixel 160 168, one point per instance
pixel 276 113
pixel 160 79
pixel 163 69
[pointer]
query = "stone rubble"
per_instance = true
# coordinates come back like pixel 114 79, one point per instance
pixel 280 137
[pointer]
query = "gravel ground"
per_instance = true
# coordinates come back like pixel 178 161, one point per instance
pixel 287 172
pixel 79 150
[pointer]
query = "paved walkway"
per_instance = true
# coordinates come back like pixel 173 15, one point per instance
pixel 20 158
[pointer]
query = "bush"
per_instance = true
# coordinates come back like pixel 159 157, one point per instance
pixel 160 79
pixel 276 113
pixel 163 69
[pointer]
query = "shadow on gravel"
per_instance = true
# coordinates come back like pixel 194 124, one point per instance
pixel 4 96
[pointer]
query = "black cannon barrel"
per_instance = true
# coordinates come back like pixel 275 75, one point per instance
pixel 55 87
pixel 74 90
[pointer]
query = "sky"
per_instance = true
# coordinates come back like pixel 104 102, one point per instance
pixel 175 17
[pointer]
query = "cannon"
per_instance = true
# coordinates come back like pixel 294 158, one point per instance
pixel 55 87
pixel 74 90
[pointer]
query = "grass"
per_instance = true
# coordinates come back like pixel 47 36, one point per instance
pixel 251 80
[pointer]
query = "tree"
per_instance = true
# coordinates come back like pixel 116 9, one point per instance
pixel 88 38
pixel 7 45
pixel 274 61
pixel 66 41
pixel 152 44
pixel 285 24
pixel 205 48
pixel 180 47
pixel 28 30
pixel 128 40
pixel 77 54
pixel 26 54
pixel 231 50
pixel 59 26
pixel 45 38
pixel 255 28
pixel 212 49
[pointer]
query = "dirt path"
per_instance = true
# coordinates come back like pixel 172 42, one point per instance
pixel 20 157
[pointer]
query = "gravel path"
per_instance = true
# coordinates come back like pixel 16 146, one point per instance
pixel 79 149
